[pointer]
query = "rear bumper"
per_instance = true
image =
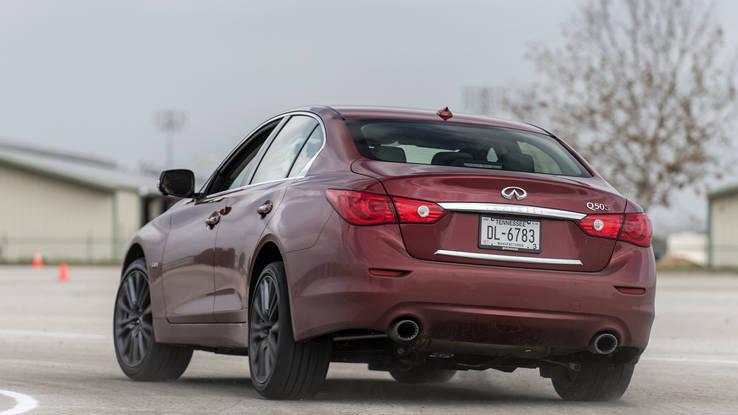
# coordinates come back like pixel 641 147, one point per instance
pixel 558 332
pixel 332 290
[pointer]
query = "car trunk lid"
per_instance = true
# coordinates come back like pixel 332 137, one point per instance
pixel 474 206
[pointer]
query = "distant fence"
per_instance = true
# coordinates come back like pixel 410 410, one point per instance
pixel 88 249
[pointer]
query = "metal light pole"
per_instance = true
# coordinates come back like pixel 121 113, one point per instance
pixel 170 122
pixel 484 100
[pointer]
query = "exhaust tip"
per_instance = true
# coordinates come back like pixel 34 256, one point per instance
pixel 604 343
pixel 404 331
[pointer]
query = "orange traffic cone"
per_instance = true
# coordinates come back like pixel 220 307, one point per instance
pixel 38 261
pixel 63 272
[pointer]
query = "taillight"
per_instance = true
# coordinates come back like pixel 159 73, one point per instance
pixel 363 208
pixel 417 211
pixel 605 226
pixel 637 229
pixel 634 228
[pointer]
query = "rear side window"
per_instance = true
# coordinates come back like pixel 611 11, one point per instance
pixel 463 145
pixel 309 150
pixel 284 149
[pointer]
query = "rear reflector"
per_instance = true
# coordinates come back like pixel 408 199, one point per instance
pixel 634 228
pixel 389 273
pixel 631 290
pixel 363 208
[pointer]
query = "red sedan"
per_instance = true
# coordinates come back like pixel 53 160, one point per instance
pixel 417 242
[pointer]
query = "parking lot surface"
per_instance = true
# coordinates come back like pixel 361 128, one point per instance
pixel 56 357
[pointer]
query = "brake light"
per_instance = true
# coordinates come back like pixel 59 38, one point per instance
pixel 417 211
pixel 362 208
pixel 634 228
pixel 637 229
pixel 605 226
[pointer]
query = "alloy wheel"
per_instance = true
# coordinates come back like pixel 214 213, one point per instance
pixel 134 332
pixel 264 329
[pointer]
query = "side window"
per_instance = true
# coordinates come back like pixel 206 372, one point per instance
pixel 284 149
pixel 246 171
pixel 243 163
pixel 309 150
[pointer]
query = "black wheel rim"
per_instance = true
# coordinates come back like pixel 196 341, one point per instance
pixel 134 332
pixel 264 329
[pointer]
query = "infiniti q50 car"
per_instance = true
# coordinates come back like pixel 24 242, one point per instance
pixel 417 242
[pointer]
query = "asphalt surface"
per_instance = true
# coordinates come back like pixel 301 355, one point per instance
pixel 56 357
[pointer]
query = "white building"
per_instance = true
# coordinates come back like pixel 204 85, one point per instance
pixel 723 227
pixel 69 207
pixel 688 246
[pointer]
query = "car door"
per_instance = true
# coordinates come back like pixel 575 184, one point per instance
pixel 249 212
pixel 187 264
pixel 189 256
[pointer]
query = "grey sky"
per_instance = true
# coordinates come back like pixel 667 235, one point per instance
pixel 88 75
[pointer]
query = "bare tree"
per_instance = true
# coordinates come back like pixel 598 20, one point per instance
pixel 645 89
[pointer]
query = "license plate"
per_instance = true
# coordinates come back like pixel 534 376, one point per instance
pixel 510 234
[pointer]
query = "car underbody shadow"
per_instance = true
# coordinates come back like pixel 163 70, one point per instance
pixel 463 390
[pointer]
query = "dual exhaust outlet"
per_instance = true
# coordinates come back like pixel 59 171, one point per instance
pixel 604 343
pixel 408 330
pixel 404 331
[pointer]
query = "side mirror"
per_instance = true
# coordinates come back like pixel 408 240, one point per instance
pixel 178 183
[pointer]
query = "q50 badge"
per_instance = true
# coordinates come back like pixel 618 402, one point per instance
pixel 597 206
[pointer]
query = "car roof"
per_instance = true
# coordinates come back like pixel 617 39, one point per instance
pixel 377 112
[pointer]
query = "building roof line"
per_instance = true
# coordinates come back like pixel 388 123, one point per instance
pixel 88 182
pixel 61 155
pixel 728 190
pixel 91 172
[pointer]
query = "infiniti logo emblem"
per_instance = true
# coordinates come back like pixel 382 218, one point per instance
pixel 513 191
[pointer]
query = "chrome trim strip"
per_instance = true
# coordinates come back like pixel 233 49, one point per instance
pixel 509 258
pixel 519 210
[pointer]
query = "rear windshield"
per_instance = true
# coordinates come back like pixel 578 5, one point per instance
pixel 463 145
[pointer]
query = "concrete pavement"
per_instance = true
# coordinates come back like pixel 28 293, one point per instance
pixel 56 349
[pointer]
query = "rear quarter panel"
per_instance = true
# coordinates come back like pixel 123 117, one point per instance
pixel 300 221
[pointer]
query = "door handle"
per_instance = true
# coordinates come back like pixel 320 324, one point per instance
pixel 213 220
pixel 264 209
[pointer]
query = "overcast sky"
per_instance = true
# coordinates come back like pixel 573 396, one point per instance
pixel 89 75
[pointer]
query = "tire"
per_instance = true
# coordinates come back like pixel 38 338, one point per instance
pixel 280 367
pixel 597 380
pixel 421 374
pixel 139 355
